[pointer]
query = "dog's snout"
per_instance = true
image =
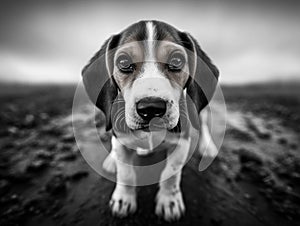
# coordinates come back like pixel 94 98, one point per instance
pixel 151 107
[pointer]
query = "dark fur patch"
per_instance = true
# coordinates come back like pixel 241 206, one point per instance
pixel 135 32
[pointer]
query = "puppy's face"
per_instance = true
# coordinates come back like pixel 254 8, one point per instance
pixel 150 64
pixel 151 75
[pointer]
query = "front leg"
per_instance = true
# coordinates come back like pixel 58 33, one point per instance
pixel 169 199
pixel 123 200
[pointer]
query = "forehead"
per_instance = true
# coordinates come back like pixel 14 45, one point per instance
pixel 149 38
pixel 150 30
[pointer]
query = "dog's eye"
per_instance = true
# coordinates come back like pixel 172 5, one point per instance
pixel 176 62
pixel 124 63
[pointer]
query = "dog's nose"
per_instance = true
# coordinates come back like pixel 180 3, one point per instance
pixel 151 107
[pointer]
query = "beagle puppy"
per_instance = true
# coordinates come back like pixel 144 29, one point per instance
pixel 151 81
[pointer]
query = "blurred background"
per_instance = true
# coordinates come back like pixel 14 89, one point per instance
pixel 254 180
pixel 50 41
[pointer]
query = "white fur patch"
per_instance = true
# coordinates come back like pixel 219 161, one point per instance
pixel 142 151
pixel 150 30
pixel 109 164
pixel 150 44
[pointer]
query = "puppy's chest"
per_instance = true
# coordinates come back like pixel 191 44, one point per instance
pixel 147 142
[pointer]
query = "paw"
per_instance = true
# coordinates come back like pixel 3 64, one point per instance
pixel 122 203
pixel 169 205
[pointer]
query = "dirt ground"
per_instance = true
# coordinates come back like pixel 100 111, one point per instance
pixel 255 179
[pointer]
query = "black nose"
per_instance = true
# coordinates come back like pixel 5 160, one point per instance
pixel 151 107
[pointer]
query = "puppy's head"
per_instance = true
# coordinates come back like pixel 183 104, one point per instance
pixel 150 64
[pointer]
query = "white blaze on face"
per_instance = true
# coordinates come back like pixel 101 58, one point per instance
pixel 150 28
pixel 150 67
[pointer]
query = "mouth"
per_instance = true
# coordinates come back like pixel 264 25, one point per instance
pixel 148 128
pixel 156 124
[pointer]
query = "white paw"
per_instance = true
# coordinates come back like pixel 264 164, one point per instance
pixel 169 205
pixel 122 203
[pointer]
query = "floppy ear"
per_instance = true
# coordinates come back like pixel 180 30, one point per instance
pixel 203 77
pixel 98 81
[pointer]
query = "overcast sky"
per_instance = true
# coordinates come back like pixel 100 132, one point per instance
pixel 50 41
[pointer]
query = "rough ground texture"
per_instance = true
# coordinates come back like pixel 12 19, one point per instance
pixel 254 180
